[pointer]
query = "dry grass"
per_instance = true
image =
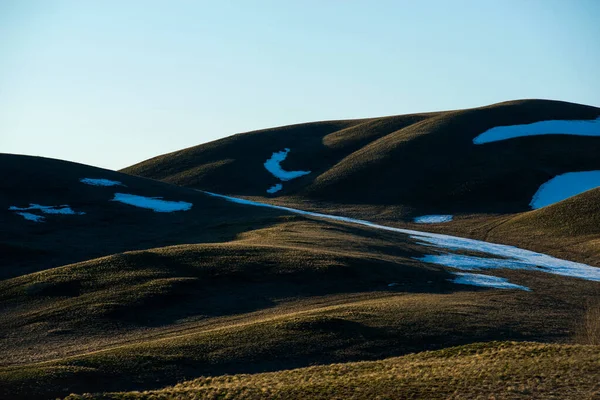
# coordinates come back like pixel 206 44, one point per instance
pixel 498 370
pixel 291 295
pixel 589 332
pixel 426 163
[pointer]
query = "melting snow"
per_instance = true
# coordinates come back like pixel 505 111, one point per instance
pixel 62 209
pixel 273 166
pixel 152 203
pixel 553 127
pixel 564 186
pixel 433 219
pixel 31 217
pixel 100 182
pixel 507 256
pixel 464 278
pixel 275 188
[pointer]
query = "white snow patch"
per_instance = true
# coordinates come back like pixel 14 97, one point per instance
pixel 100 182
pixel 62 209
pixel 31 217
pixel 153 203
pixel 275 188
pixel 433 219
pixel 507 256
pixel 464 278
pixel 273 166
pixel 563 186
pixel 552 127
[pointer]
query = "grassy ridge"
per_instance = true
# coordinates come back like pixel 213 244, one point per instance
pixel 499 370
pixel 422 163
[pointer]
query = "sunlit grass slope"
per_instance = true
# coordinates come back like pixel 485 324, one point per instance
pixel 498 370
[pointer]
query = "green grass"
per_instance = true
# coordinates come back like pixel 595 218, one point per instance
pixel 497 370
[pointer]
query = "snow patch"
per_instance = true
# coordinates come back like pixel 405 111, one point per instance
pixel 152 203
pixel 563 186
pixel 275 188
pixel 552 127
pixel 62 209
pixel 31 217
pixel 100 182
pixel 433 219
pixel 273 166
pixel 464 278
pixel 506 256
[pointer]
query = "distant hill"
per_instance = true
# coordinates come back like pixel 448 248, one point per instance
pixel 98 225
pixel 419 163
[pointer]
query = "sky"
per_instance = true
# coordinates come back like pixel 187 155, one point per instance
pixel 111 83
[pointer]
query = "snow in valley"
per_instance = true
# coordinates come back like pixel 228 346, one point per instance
pixel 432 219
pixel 553 127
pixel 563 186
pixel 493 256
pixel 464 278
pixel 100 182
pixel 152 203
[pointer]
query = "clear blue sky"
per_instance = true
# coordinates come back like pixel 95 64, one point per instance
pixel 110 83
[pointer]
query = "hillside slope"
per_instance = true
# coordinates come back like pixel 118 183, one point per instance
pixel 498 370
pixel 84 221
pixel 569 229
pixel 420 164
pixel 289 295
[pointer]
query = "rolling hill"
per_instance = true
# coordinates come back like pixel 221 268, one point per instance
pixel 95 225
pixel 501 369
pixel 414 164
pixel 462 166
pixel 122 284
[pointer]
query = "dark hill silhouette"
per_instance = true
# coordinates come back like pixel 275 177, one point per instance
pixel 107 227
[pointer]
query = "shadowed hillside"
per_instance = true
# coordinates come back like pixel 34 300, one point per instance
pixel 100 226
pixel 422 163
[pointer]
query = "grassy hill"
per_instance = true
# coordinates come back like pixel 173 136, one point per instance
pixel 419 164
pixel 290 295
pixel 107 227
pixel 569 229
pixel 111 298
pixel 501 370
pixel 392 169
